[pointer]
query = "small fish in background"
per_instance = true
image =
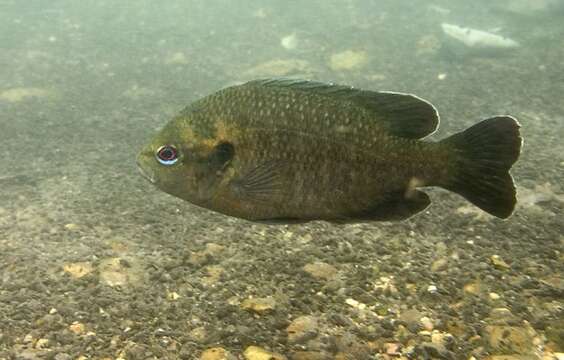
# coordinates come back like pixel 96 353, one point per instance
pixel 477 38
pixel 283 151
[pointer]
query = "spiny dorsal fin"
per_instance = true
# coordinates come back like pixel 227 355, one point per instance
pixel 403 115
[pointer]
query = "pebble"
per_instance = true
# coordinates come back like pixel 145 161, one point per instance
pixel 499 263
pixel 260 306
pixel 512 339
pixel 79 269
pixel 386 286
pixel 501 314
pixel 214 273
pixel 355 304
pixel 257 353
pixel 172 295
pixel 311 355
pixel 392 349
pixel 348 60
pixel 427 323
pixel 42 343
pixel 119 271
pixel 198 334
pixel 433 351
pixel 63 356
pixel 289 42
pixel 441 338
pixel 412 318
pixel 432 289
pixel 439 265
pixel 472 288
pixel 178 58
pixel 217 353
pixel 321 270
pixel 494 296
pixel 27 339
pixel 302 329
pixel 20 94
pixel 77 328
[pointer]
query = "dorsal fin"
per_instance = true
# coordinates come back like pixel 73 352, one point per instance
pixel 403 115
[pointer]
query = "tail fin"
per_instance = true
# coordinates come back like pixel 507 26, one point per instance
pixel 486 152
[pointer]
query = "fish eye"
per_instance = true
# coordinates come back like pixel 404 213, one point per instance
pixel 167 155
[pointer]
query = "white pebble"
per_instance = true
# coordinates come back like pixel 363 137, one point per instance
pixel 289 42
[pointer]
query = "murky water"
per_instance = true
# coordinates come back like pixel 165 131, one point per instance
pixel 96 263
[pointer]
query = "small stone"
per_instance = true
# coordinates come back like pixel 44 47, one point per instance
pixel 260 306
pixel 289 42
pixel 472 288
pixel 214 273
pixel 79 269
pixel 432 289
pixel 412 319
pixel 178 58
pixel 198 334
pixel 72 227
pixel 42 344
pixel 172 295
pixel 427 323
pixel 257 353
pixel 385 285
pixel 348 60
pixel 392 349
pixel 120 271
pixel 494 296
pixel 217 353
pixel 302 329
pixel 77 328
pixel 439 265
pixel 63 356
pixel 501 314
pixel 53 311
pixel 20 94
pixel 512 339
pixel 311 355
pixel 352 302
pixel 27 339
pixel 321 270
pixel 441 338
pixel 433 351
pixel 214 249
pixel 499 263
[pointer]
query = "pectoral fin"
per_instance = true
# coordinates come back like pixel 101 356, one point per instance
pixel 260 183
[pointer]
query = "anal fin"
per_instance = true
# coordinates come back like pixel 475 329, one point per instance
pixel 399 205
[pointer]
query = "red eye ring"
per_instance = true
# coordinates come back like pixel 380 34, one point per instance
pixel 167 155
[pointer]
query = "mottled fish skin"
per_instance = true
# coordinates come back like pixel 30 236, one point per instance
pixel 299 151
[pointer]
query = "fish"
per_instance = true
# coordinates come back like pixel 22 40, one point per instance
pixel 283 151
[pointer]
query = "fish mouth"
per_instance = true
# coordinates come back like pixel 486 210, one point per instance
pixel 146 173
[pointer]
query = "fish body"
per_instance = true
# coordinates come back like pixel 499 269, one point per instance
pixel 291 151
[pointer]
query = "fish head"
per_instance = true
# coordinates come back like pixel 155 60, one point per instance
pixel 183 164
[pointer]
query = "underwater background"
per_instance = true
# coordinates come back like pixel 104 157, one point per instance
pixel 95 263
